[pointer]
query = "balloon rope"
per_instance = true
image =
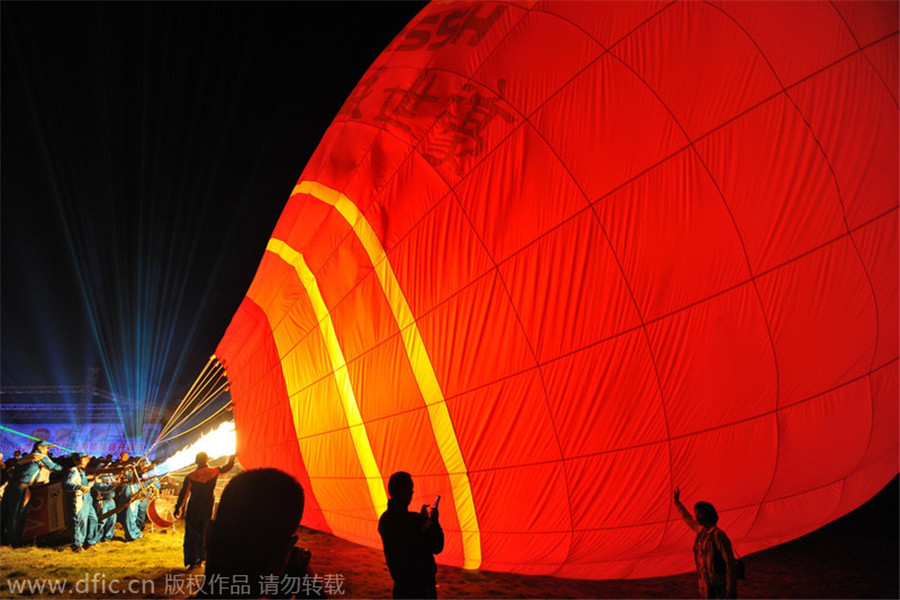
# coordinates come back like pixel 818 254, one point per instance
pixel 196 387
pixel 206 388
pixel 207 377
pixel 171 435
pixel 200 424
pixel 203 403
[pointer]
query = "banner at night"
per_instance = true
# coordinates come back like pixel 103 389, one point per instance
pixel 98 439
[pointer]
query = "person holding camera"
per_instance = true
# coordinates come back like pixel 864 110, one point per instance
pixel 713 555
pixel 411 539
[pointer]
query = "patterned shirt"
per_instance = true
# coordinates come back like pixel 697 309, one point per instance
pixel 713 556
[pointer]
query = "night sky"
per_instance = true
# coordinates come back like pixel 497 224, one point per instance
pixel 147 152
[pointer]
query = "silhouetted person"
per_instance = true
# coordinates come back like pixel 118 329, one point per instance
pixel 713 556
pixel 253 536
pixel 28 471
pixel 198 492
pixel 11 462
pixel 411 539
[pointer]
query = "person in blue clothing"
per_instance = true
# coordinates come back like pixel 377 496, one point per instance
pixel 27 472
pixel 105 502
pixel 126 501
pixel 141 517
pixel 153 486
pixel 80 515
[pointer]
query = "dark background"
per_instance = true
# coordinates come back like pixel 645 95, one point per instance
pixel 147 152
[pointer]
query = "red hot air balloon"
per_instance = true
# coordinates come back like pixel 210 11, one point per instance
pixel 557 258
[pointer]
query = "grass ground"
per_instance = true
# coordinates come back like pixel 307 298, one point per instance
pixel 120 569
pixel 854 557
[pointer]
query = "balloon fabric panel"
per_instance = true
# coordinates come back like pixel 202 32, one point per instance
pixel 876 242
pixel 777 142
pixel 870 20
pixel 267 436
pixel 885 63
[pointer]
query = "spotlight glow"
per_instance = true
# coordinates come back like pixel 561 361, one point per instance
pixel 220 441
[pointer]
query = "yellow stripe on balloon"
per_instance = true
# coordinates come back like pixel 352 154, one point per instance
pixel 441 423
pixel 341 374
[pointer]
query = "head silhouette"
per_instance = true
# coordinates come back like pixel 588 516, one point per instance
pixel 201 459
pixel 256 523
pixel 41 447
pixel 80 460
pixel 706 514
pixel 400 487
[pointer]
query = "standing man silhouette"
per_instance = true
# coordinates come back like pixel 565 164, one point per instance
pixel 410 541
pixel 198 492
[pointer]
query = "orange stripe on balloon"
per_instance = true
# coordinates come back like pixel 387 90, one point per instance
pixel 439 416
pixel 341 374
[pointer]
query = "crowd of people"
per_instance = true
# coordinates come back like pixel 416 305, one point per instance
pixel 98 492
pixel 253 536
pixel 263 548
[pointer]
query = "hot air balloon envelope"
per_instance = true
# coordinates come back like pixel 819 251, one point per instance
pixel 556 259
